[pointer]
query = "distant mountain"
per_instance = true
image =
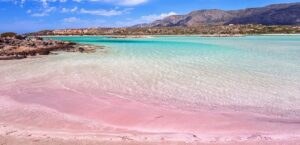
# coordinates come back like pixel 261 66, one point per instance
pixel 277 14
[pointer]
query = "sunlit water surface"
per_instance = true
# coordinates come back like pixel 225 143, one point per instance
pixel 254 73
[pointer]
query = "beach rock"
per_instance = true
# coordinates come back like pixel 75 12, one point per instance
pixel 10 57
pixel 81 49
pixel 44 52
pixel 12 48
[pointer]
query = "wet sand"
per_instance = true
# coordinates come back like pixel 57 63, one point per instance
pixel 14 136
pixel 112 120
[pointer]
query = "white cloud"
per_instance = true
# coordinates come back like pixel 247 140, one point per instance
pixel 44 12
pixel 71 10
pixel 46 3
pixel 28 11
pixel 154 17
pixel 22 3
pixel 131 2
pixel 118 2
pixel 102 12
pixel 143 19
pixel 39 14
pixel 71 20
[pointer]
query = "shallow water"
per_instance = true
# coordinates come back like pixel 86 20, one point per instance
pixel 243 72
pixel 229 88
pixel 191 72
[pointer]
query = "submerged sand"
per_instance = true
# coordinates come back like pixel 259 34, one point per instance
pixel 134 99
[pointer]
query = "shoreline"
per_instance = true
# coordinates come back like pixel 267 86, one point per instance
pixel 151 36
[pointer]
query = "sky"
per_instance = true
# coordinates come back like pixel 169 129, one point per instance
pixel 24 16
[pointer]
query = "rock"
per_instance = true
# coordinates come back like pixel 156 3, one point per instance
pixel 44 52
pixel 33 53
pixel 21 56
pixel 31 44
pixel 10 57
pixel 11 48
pixel 81 49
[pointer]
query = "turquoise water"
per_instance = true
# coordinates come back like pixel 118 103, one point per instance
pixel 191 72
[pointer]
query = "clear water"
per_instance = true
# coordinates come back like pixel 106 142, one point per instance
pixel 253 73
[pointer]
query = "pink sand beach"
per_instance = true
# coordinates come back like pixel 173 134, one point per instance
pixel 112 99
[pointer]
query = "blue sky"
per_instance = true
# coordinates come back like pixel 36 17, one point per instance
pixel 32 15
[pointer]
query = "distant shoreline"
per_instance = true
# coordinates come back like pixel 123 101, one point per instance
pixel 150 36
pixel 204 30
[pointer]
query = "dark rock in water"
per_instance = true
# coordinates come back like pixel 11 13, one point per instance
pixel 33 53
pixel 10 57
pixel 21 56
pixel 69 43
pixel 44 52
pixel 81 49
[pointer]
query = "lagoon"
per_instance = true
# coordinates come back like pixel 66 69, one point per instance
pixel 228 88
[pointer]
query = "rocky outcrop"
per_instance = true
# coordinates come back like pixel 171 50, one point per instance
pixel 12 48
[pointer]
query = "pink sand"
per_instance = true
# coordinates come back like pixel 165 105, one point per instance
pixel 50 108
pixel 49 98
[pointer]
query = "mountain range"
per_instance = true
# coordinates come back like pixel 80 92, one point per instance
pixel 276 14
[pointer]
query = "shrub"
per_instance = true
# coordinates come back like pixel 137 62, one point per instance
pixel 20 37
pixel 9 34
